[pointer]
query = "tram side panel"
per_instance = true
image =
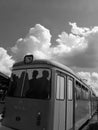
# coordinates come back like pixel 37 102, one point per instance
pixel 93 104
pixel 4 83
pixel 82 105
pixel 64 108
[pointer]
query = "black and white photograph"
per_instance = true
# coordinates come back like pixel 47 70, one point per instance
pixel 48 64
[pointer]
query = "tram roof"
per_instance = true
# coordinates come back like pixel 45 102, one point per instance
pixel 48 62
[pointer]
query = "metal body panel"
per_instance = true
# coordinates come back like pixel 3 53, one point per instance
pixel 62 114
pixel 59 115
pixel 4 128
pixel 56 116
pixel 27 114
pixel 82 113
pixel 69 115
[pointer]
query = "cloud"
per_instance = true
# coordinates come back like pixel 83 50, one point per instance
pixel 37 42
pixel 78 48
pixel 91 79
pixel 83 43
pixel 6 62
pixel 95 76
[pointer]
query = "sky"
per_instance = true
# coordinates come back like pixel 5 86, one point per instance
pixel 61 30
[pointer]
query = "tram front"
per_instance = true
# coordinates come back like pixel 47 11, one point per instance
pixel 28 104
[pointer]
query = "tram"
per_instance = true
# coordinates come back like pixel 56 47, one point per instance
pixel 46 95
pixel 4 83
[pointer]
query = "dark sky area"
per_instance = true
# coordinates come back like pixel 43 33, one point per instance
pixel 17 16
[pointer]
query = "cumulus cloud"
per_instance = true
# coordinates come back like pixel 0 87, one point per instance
pixel 6 62
pixel 83 43
pixel 37 42
pixel 78 48
pixel 78 30
pixel 91 79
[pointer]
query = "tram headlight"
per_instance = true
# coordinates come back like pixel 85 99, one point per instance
pixel 28 59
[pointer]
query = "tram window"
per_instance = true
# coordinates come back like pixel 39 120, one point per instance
pixel 60 87
pixel 39 86
pixel 85 93
pixel 70 88
pixel 78 90
pixel 16 83
pixel 27 83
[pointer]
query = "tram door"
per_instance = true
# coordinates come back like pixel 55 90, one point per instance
pixel 69 103
pixel 60 101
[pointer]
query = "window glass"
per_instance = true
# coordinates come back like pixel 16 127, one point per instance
pixel 4 84
pixel 60 87
pixel 70 88
pixel 39 84
pixel 78 90
pixel 31 83
pixel 16 84
pixel 85 93
pixel 81 91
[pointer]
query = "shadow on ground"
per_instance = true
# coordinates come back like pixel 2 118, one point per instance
pixel 93 126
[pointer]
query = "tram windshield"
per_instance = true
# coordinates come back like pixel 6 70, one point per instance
pixel 31 83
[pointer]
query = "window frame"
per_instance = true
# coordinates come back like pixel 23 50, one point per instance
pixel 78 88
pixel 71 79
pixel 84 92
pixel 26 70
pixel 58 97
